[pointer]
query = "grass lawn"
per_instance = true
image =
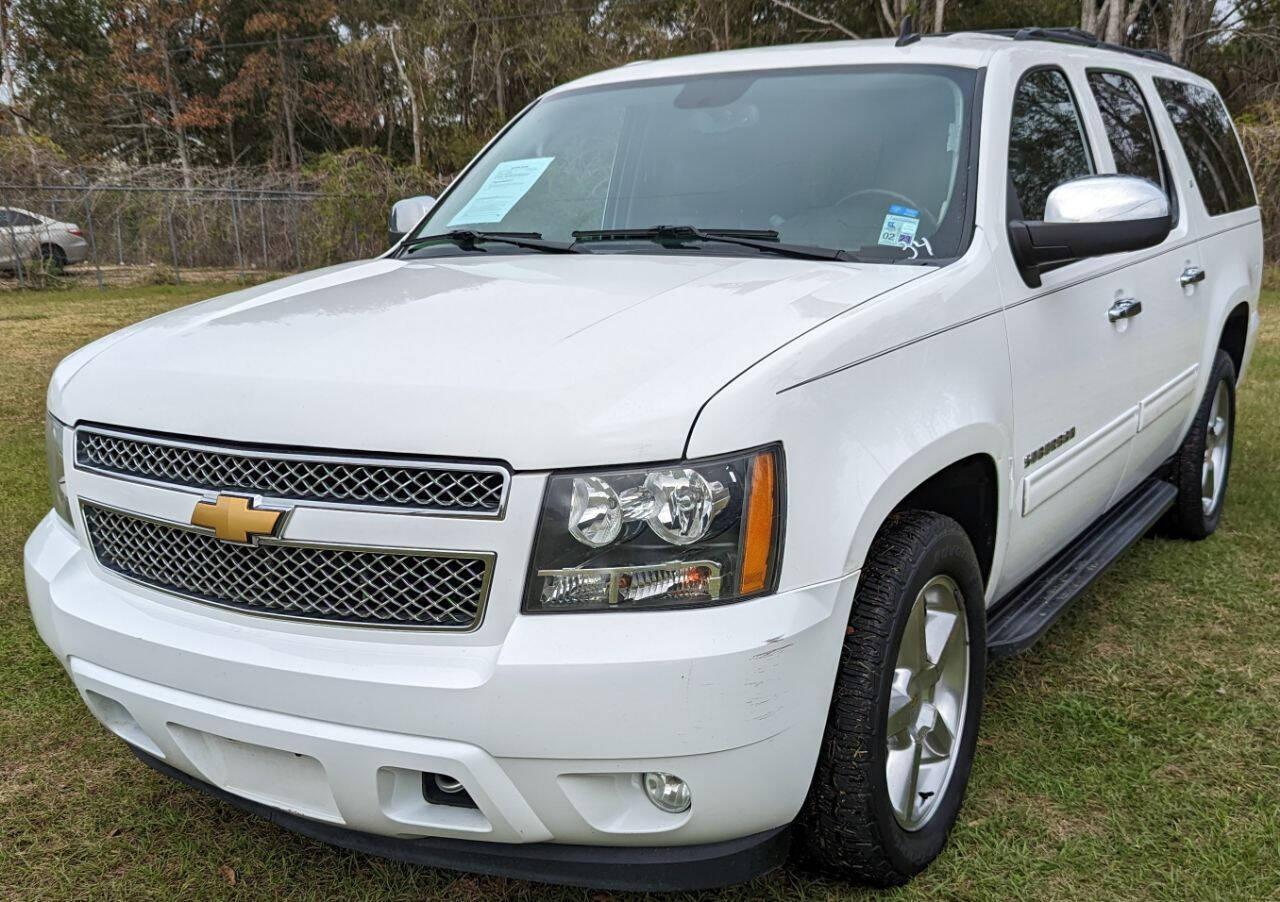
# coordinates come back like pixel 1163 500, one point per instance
pixel 1133 753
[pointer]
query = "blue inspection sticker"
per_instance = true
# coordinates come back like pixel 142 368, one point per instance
pixel 900 225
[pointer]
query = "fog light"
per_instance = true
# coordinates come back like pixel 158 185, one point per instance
pixel 669 793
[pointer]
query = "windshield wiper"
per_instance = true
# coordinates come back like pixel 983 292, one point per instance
pixel 760 239
pixel 467 239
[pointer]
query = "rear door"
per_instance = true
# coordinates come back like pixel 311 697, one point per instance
pixel 1164 361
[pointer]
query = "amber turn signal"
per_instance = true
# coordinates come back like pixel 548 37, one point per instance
pixel 758 536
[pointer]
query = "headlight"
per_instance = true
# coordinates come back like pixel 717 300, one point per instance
pixel 685 534
pixel 53 431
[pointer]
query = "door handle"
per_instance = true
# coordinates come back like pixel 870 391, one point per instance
pixel 1190 276
pixel 1125 308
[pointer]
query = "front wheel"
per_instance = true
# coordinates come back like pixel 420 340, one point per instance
pixel 903 724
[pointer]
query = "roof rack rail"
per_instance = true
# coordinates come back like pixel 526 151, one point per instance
pixel 1061 35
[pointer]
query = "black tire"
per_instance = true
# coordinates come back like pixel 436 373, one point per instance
pixel 1189 518
pixel 54 257
pixel 847 826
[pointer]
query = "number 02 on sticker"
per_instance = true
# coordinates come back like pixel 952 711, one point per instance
pixel 900 225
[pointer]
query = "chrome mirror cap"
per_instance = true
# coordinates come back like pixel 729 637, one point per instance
pixel 1106 198
pixel 407 213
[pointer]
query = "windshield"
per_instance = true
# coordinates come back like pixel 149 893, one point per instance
pixel 866 158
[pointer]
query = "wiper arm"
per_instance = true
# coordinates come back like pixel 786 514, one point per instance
pixel 467 239
pixel 760 239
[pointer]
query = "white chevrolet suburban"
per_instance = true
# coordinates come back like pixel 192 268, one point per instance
pixel 654 505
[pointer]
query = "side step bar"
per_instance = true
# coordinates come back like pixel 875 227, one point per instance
pixel 1025 614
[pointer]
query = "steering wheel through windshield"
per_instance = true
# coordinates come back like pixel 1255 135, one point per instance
pixel 931 221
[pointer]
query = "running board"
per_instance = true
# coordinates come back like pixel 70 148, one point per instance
pixel 1025 614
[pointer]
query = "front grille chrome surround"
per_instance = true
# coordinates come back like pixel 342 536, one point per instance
pixel 308 478
pixel 351 585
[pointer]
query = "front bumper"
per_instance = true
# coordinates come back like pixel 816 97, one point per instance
pixel 547 730
pixel 646 868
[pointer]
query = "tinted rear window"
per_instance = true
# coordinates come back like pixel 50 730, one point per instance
pixel 1212 149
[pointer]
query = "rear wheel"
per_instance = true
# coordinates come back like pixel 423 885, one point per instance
pixel 903 725
pixel 54 257
pixel 1203 463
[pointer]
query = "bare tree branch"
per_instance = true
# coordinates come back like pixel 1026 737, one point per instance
pixel 829 23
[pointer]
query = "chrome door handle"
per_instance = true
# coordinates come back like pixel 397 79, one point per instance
pixel 1125 308
pixel 1190 276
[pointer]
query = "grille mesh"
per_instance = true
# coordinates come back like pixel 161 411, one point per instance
pixel 295 477
pixel 368 587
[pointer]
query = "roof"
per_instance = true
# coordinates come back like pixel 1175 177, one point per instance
pixel 964 49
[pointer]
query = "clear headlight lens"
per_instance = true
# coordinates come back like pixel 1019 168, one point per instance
pixel 53 432
pixel 702 532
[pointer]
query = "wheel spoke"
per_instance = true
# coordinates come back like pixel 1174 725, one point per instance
pixel 902 772
pixel 938 738
pixel 911 652
pixel 1209 485
pixel 941 627
pixel 902 710
pixel 914 782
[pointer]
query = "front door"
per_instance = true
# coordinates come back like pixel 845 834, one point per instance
pixel 1073 360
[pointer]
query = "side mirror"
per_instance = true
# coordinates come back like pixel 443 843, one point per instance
pixel 1089 217
pixel 406 213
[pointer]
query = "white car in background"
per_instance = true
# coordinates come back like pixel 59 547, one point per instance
pixel 656 503
pixel 26 237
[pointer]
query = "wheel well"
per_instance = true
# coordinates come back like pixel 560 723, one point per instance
pixel 1234 335
pixel 967 492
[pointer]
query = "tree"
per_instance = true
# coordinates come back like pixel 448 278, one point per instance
pixel 8 83
pixel 158 46
pixel 1110 20
pixel 927 17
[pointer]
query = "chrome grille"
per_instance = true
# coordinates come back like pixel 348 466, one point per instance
pixel 361 586
pixel 305 477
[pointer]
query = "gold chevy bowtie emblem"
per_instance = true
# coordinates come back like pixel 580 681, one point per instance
pixel 234 519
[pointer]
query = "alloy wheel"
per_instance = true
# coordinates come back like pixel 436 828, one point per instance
pixel 1217 449
pixel 927 703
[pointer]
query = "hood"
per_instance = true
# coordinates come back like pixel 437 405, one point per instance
pixel 542 361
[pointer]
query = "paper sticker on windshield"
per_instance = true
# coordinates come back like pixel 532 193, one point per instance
pixel 900 225
pixel 502 190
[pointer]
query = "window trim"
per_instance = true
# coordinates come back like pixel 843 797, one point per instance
pixel 1013 204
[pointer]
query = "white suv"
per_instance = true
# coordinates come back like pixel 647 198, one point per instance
pixel 635 571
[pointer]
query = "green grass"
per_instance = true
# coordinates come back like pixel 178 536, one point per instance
pixel 1134 753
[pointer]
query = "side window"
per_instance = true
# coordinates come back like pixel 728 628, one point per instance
pixel 21 219
pixel 1047 143
pixel 1129 130
pixel 6 217
pixel 1205 132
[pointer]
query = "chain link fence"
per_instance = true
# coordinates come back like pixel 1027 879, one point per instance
pixel 232 224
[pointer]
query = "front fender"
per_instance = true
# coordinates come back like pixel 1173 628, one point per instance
pixel 858 440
